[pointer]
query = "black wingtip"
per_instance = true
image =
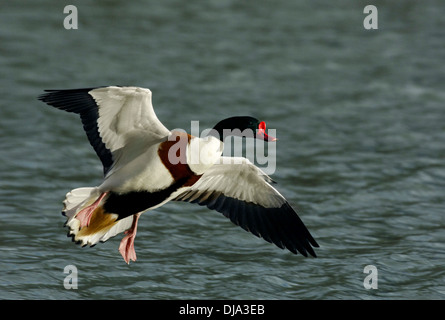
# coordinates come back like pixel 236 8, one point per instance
pixel 280 226
pixel 79 101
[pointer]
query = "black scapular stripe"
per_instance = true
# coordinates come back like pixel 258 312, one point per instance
pixel 127 204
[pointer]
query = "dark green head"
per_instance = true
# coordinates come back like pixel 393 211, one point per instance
pixel 243 126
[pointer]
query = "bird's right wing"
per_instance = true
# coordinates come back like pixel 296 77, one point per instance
pixel 241 191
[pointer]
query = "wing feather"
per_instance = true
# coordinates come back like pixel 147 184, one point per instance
pixel 243 194
pixel 110 117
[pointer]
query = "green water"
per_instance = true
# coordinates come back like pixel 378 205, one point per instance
pixel 359 114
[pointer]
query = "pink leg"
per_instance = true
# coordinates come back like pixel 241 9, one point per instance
pixel 84 215
pixel 126 248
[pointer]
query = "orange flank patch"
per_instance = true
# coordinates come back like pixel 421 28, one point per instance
pixel 100 220
pixel 180 170
pixel 192 180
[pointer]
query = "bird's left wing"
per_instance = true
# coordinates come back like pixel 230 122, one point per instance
pixel 241 191
pixel 109 116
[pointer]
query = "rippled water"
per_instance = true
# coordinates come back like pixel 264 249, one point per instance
pixel 359 115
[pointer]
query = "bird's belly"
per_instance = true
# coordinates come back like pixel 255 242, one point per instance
pixel 129 203
pixel 144 173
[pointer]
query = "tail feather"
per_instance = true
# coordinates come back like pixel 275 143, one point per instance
pixel 102 226
pixel 76 200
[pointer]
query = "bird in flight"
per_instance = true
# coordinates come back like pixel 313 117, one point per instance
pixel 146 165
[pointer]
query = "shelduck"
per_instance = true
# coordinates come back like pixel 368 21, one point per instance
pixel 146 165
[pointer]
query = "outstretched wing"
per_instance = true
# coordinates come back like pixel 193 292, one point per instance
pixel 242 192
pixel 109 115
